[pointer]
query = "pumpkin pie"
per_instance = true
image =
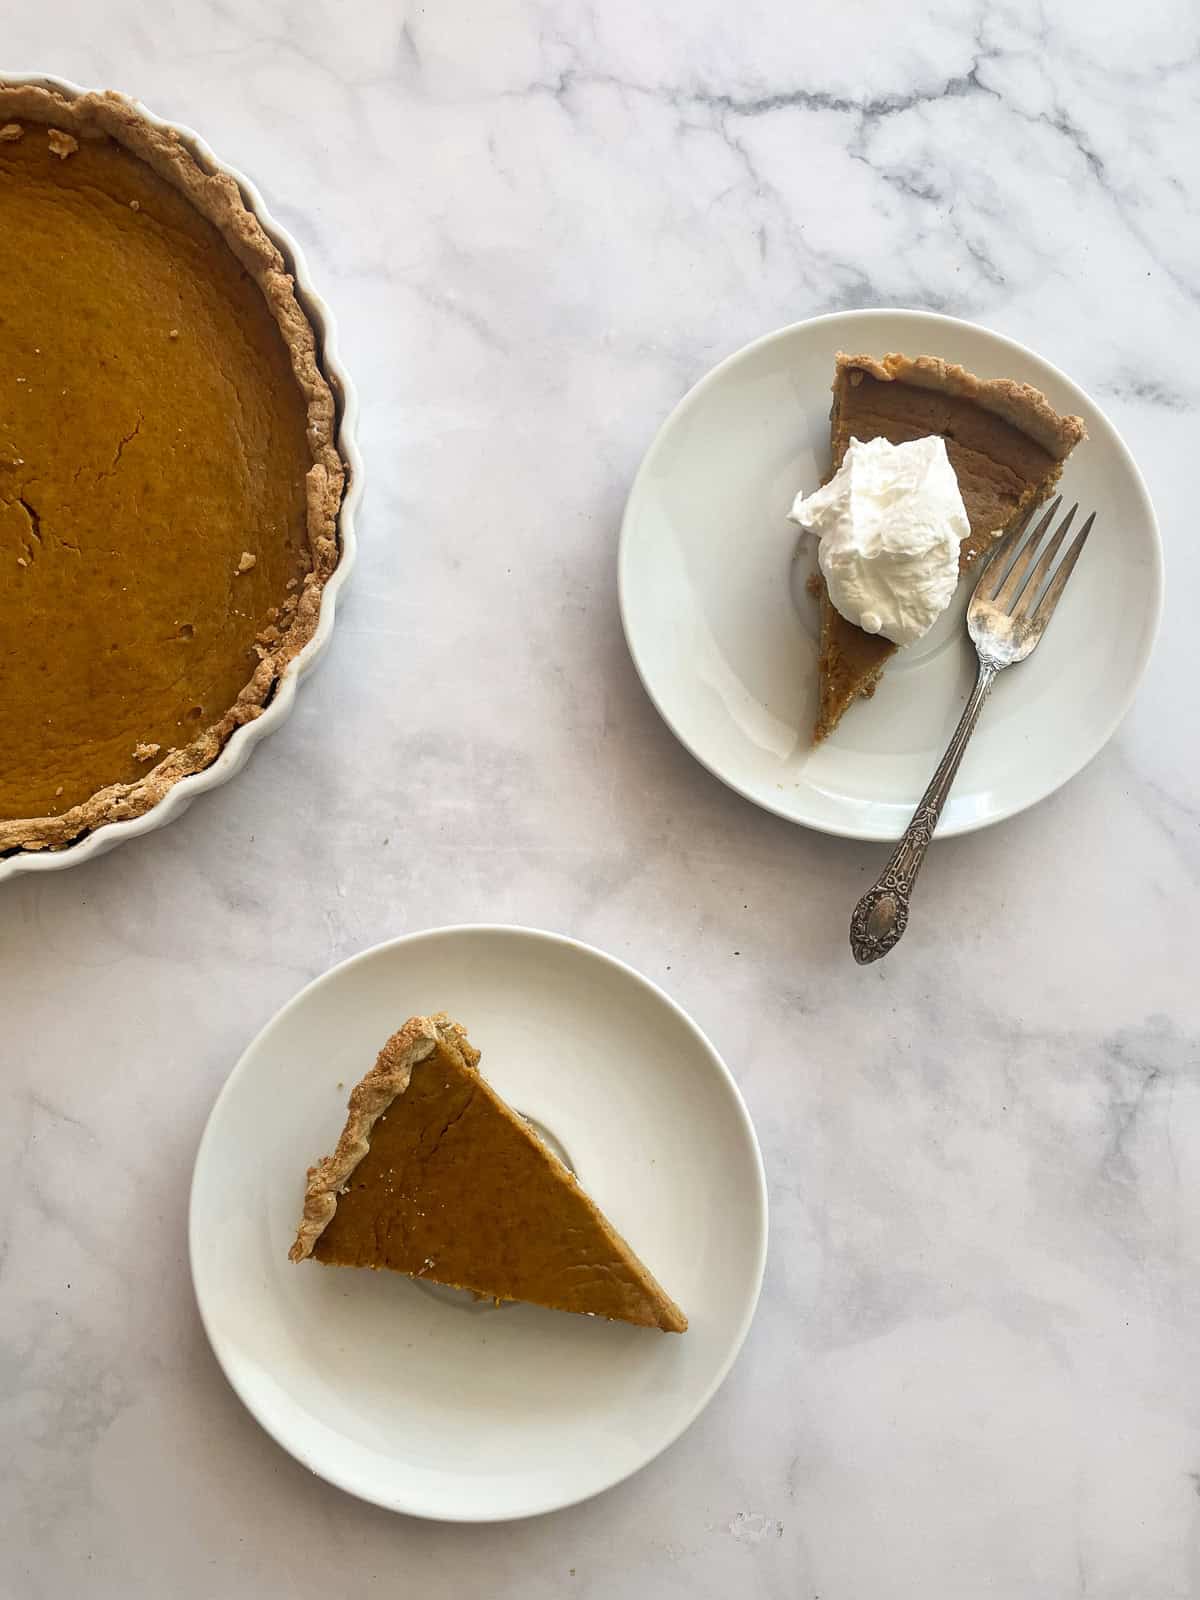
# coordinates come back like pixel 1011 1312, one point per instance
pixel 169 481
pixel 436 1177
pixel 1006 444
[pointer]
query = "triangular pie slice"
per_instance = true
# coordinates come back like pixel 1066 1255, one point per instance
pixel 1006 444
pixel 435 1176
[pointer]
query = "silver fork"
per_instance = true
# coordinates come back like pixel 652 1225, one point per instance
pixel 1006 618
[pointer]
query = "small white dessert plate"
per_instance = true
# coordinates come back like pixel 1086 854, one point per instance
pixel 417 1397
pixel 724 633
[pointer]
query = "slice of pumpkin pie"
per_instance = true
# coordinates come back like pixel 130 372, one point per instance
pixel 1006 443
pixel 436 1177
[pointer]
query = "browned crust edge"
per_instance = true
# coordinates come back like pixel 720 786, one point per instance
pixel 217 197
pixel 370 1098
pixel 1019 404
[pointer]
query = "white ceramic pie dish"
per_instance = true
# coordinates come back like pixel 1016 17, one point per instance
pixel 238 748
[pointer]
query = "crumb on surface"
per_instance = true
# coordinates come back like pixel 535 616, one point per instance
pixel 11 132
pixel 146 752
pixel 247 562
pixel 58 791
pixel 174 333
pixel 135 205
pixel 62 144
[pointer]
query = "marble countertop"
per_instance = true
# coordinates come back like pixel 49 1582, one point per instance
pixel 973 1371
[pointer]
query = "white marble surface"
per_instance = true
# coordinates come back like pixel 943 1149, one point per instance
pixel 974 1369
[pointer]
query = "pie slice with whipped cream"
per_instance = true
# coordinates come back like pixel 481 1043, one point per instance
pixel 436 1177
pixel 1006 444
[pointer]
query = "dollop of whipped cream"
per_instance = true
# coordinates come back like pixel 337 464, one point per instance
pixel 890 522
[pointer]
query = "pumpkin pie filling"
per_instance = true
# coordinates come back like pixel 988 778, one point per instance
pixel 436 1177
pixel 168 483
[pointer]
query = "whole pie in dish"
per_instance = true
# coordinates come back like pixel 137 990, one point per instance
pixel 169 480
pixel 435 1176
pixel 1006 444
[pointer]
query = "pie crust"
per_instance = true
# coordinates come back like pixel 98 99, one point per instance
pixel 1019 404
pixel 369 1099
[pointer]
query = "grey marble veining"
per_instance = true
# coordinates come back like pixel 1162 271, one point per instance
pixel 973 1372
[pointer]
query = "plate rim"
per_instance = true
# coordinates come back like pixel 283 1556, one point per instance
pixel 761 1214
pixel 240 745
pixel 849 829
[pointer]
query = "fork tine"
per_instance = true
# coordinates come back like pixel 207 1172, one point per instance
pixel 998 557
pixel 1007 591
pixel 1031 588
pixel 1058 583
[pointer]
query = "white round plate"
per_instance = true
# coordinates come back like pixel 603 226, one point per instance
pixel 418 1397
pixel 724 634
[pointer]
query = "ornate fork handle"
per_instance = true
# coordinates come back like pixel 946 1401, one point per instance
pixel 881 916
